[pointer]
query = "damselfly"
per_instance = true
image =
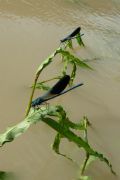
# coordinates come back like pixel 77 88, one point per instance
pixel 55 91
pixel 72 35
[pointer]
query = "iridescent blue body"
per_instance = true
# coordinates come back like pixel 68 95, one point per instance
pixel 37 102
pixel 55 91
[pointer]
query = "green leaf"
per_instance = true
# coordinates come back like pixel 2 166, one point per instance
pixel 79 40
pixel 82 64
pixel 65 66
pixel 42 86
pixel 90 159
pixel 56 145
pixel 2 175
pixel 7 176
pixel 77 126
pixel 73 74
pixel 66 132
pixel 70 44
pixel 72 59
pixel 102 158
pixel 44 114
pixel 85 178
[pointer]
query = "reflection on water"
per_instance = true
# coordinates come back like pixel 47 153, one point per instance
pixel 29 32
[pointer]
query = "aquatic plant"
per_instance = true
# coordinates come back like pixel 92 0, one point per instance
pixel 55 116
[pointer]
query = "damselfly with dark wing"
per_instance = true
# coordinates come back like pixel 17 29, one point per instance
pixel 72 35
pixel 55 91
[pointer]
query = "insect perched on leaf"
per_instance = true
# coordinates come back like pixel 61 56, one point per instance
pixel 55 91
pixel 72 35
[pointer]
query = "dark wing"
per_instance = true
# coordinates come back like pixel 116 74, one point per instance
pixel 74 33
pixel 60 85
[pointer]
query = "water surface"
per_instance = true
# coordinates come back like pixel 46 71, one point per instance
pixel 29 32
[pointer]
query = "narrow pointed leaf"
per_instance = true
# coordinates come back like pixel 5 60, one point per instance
pixel 56 145
pixel 79 40
pixel 42 86
pixel 72 59
pixel 85 178
pixel 70 45
pixel 73 74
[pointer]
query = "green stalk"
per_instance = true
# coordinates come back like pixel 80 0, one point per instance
pixel 86 122
pixel 85 163
pixel 31 97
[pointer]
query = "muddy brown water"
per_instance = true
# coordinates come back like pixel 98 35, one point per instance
pixel 29 32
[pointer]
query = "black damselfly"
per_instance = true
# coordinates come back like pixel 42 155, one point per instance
pixel 55 91
pixel 72 35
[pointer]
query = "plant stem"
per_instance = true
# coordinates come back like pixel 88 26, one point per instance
pixel 86 139
pixel 85 163
pixel 31 97
pixel 85 131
